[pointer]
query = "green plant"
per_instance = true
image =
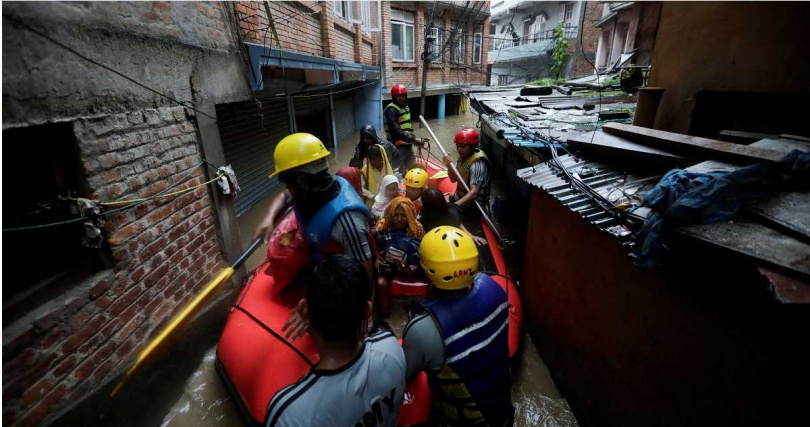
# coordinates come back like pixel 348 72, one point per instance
pixel 545 82
pixel 558 52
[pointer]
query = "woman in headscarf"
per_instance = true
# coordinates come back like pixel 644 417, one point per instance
pixel 396 239
pixel 376 167
pixel 389 190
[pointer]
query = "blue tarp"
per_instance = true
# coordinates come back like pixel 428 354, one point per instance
pixel 686 198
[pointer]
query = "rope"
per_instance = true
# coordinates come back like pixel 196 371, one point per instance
pixel 145 199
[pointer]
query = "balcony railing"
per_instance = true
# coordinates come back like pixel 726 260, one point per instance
pixel 539 37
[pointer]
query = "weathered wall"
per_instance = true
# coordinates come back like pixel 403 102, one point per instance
pixel 344 44
pixel 731 46
pixel 133 143
pixel 699 343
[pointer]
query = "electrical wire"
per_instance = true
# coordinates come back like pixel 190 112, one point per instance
pixel 94 62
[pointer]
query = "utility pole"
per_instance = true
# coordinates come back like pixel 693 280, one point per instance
pixel 426 62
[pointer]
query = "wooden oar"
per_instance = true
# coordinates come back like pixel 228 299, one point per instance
pixel 187 313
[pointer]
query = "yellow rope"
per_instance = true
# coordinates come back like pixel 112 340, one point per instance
pixel 122 202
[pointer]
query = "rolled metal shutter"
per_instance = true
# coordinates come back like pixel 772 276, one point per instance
pixel 344 116
pixel 249 135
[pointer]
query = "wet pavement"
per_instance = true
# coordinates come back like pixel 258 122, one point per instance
pixel 182 388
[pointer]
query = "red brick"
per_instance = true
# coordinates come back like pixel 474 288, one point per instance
pixel 46 405
pixel 125 233
pixel 87 331
pixel 65 366
pixel 99 288
pixel 152 278
pixel 138 274
pixel 162 5
pixel 36 392
pixel 125 300
pixel 103 302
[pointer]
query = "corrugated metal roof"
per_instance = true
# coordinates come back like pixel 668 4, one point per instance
pixel 612 186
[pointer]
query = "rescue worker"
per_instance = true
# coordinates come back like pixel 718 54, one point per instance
pixel 474 167
pixel 368 138
pixel 416 180
pixel 334 218
pixel 356 381
pixel 398 128
pixel 460 336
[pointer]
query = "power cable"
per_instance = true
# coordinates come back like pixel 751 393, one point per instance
pixel 94 62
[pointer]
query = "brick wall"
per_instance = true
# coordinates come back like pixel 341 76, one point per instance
pixel 442 73
pixel 590 41
pixel 298 25
pixel 164 251
pixel 308 27
pixel 344 44
pixel 368 53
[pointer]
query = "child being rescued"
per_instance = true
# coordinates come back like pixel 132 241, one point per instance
pixel 389 190
pixel 396 239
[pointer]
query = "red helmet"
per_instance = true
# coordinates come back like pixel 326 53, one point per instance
pixel 467 136
pixel 399 90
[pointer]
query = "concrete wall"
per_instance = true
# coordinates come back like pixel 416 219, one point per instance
pixel 698 343
pixel 133 143
pixel 756 47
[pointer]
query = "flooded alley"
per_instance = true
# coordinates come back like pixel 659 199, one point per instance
pixel 190 392
pixel 643 169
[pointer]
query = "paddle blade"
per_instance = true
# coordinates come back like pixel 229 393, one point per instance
pixel 175 324
pixel 440 175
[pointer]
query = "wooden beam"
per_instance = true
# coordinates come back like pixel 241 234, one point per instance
pixel 692 145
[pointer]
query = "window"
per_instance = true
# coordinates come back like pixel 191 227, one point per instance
pixel 502 80
pixel 56 172
pixel 478 44
pixel 343 9
pixel 458 50
pixel 369 14
pixel 567 12
pixel 437 45
pixel 538 30
pixel 401 35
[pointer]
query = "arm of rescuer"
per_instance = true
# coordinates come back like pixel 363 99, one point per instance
pixel 470 196
pixel 423 346
pixel 278 205
pixel 397 134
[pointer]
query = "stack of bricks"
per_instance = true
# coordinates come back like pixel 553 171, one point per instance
pixel 164 252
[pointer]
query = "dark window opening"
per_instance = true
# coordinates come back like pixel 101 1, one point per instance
pixel 43 262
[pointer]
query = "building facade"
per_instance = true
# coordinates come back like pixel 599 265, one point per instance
pixel 522 37
pixel 626 27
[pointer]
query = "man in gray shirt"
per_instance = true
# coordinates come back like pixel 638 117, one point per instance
pixel 357 382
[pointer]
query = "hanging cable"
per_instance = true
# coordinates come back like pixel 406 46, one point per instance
pixel 94 62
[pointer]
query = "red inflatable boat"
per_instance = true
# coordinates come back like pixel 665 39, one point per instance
pixel 255 360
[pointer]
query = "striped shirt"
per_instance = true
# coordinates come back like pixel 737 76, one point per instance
pixel 367 391
pixel 351 231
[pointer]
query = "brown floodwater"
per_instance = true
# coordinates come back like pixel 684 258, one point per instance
pixel 182 388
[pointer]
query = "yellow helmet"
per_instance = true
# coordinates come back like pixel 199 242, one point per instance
pixel 416 178
pixel 296 150
pixel 449 257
